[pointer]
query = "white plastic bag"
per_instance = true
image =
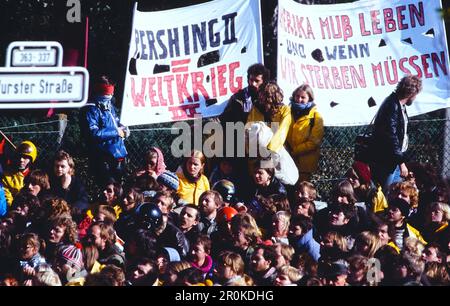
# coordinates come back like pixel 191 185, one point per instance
pixel 258 137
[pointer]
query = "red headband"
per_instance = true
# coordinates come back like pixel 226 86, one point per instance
pixel 104 89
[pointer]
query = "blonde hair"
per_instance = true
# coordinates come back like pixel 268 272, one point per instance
pixel 196 154
pixel 306 88
pixel 63 155
pixel 413 248
pixel 444 207
pixel 338 240
pixel 250 228
pixel 371 240
pixel 284 217
pixel 305 185
pixel 232 260
pixel 437 274
pixel 292 273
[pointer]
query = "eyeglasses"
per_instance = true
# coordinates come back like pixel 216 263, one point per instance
pixel 109 190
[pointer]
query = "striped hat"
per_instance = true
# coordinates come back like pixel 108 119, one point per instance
pixel 168 179
pixel 71 255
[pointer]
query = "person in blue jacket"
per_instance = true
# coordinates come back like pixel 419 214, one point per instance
pixel 104 133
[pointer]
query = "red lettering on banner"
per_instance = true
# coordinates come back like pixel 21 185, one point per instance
pixel 418 65
pixel 138 98
pixel 185 88
pixel 375 22
pixel 184 112
pixel 342 77
pixel 197 84
pixel 234 88
pixel 213 82
pixel 182 89
pixel 168 79
pixel 152 92
pixel 294 25
pixel 389 21
pixel 337 27
pixel 162 101
pixel 221 80
pixel 402 19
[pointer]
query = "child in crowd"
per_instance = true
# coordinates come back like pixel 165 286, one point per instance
pixel 29 257
pixel 191 178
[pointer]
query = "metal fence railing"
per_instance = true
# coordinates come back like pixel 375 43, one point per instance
pixel 426 144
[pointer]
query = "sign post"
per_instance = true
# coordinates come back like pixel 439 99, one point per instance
pixel 35 78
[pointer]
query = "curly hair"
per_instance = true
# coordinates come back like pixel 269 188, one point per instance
pixel 270 98
pixel 56 207
pixel 408 86
pixel 70 228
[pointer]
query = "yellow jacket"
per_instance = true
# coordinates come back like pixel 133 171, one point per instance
pixel 283 117
pixel 415 233
pixel 190 192
pixel 12 183
pixel 304 141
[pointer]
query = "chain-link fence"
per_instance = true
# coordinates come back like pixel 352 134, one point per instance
pixel 426 144
pixel 46 134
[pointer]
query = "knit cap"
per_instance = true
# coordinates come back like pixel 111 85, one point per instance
pixel 71 255
pixel 363 172
pixel 168 179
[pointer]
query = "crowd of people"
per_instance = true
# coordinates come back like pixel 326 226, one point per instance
pixel 227 221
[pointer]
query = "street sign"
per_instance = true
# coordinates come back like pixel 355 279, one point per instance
pixel 34 53
pixel 35 78
pixel 43 87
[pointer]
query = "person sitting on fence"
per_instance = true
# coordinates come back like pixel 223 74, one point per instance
pixel 154 163
pixel 14 175
pixel 306 132
pixel 104 133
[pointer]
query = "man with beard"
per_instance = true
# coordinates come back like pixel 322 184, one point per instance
pixel 236 113
pixel 240 104
pixel 390 139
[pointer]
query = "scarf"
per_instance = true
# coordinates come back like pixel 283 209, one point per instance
pixel 299 109
pixel 160 165
pixel 103 102
pixel 207 265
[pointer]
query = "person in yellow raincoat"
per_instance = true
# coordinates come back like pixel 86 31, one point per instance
pixel 270 109
pixel 305 133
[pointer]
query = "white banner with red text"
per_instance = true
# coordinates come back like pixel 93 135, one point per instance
pixel 354 54
pixel 186 63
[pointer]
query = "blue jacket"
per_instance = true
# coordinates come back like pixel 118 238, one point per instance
pixel 3 205
pixel 100 127
pixel 308 244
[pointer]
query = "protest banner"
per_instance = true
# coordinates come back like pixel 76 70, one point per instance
pixel 354 54
pixel 186 62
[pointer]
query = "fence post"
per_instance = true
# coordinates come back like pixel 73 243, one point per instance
pixel 446 153
pixel 62 124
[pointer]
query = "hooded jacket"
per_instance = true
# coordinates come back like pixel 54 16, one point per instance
pixel 100 126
